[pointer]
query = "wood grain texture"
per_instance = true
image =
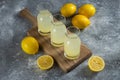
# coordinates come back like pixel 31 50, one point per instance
pixel 57 53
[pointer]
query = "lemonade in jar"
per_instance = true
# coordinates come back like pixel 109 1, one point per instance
pixel 58 34
pixel 44 20
pixel 72 43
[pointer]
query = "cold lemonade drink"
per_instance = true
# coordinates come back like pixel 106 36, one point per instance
pixel 58 34
pixel 44 20
pixel 72 46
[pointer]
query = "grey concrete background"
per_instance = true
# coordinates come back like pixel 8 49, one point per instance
pixel 102 37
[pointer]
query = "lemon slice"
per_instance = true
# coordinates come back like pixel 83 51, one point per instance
pixel 96 63
pixel 45 62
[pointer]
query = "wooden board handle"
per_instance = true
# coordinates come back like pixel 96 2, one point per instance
pixel 26 14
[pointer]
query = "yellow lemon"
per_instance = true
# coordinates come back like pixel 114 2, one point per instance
pixel 68 9
pixel 80 21
pixel 96 63
pixel 30 45
pixel 45 62
pixel 87 9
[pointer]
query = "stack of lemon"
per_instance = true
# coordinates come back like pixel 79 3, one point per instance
pixel 81 20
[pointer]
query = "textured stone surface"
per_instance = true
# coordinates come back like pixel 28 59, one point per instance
pixel 102 37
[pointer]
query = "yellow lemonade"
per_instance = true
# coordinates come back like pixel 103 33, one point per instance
pixel 44 20
pixel 58 34
pixel 72 46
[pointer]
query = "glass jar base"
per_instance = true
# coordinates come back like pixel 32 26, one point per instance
pixel 71 57
pixel 56 44
pixel 44 33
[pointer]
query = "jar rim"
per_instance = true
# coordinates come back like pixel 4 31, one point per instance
pixel 73 30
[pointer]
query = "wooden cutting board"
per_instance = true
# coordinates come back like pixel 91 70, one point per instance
pixel 57 53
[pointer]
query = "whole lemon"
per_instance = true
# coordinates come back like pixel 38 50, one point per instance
pixel 30 45
pixel 87 9
pixel 68 9
pixel 80 21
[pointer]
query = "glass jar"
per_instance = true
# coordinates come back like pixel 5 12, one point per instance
pixel 44 20
pixel 58 34
pixel 72 43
